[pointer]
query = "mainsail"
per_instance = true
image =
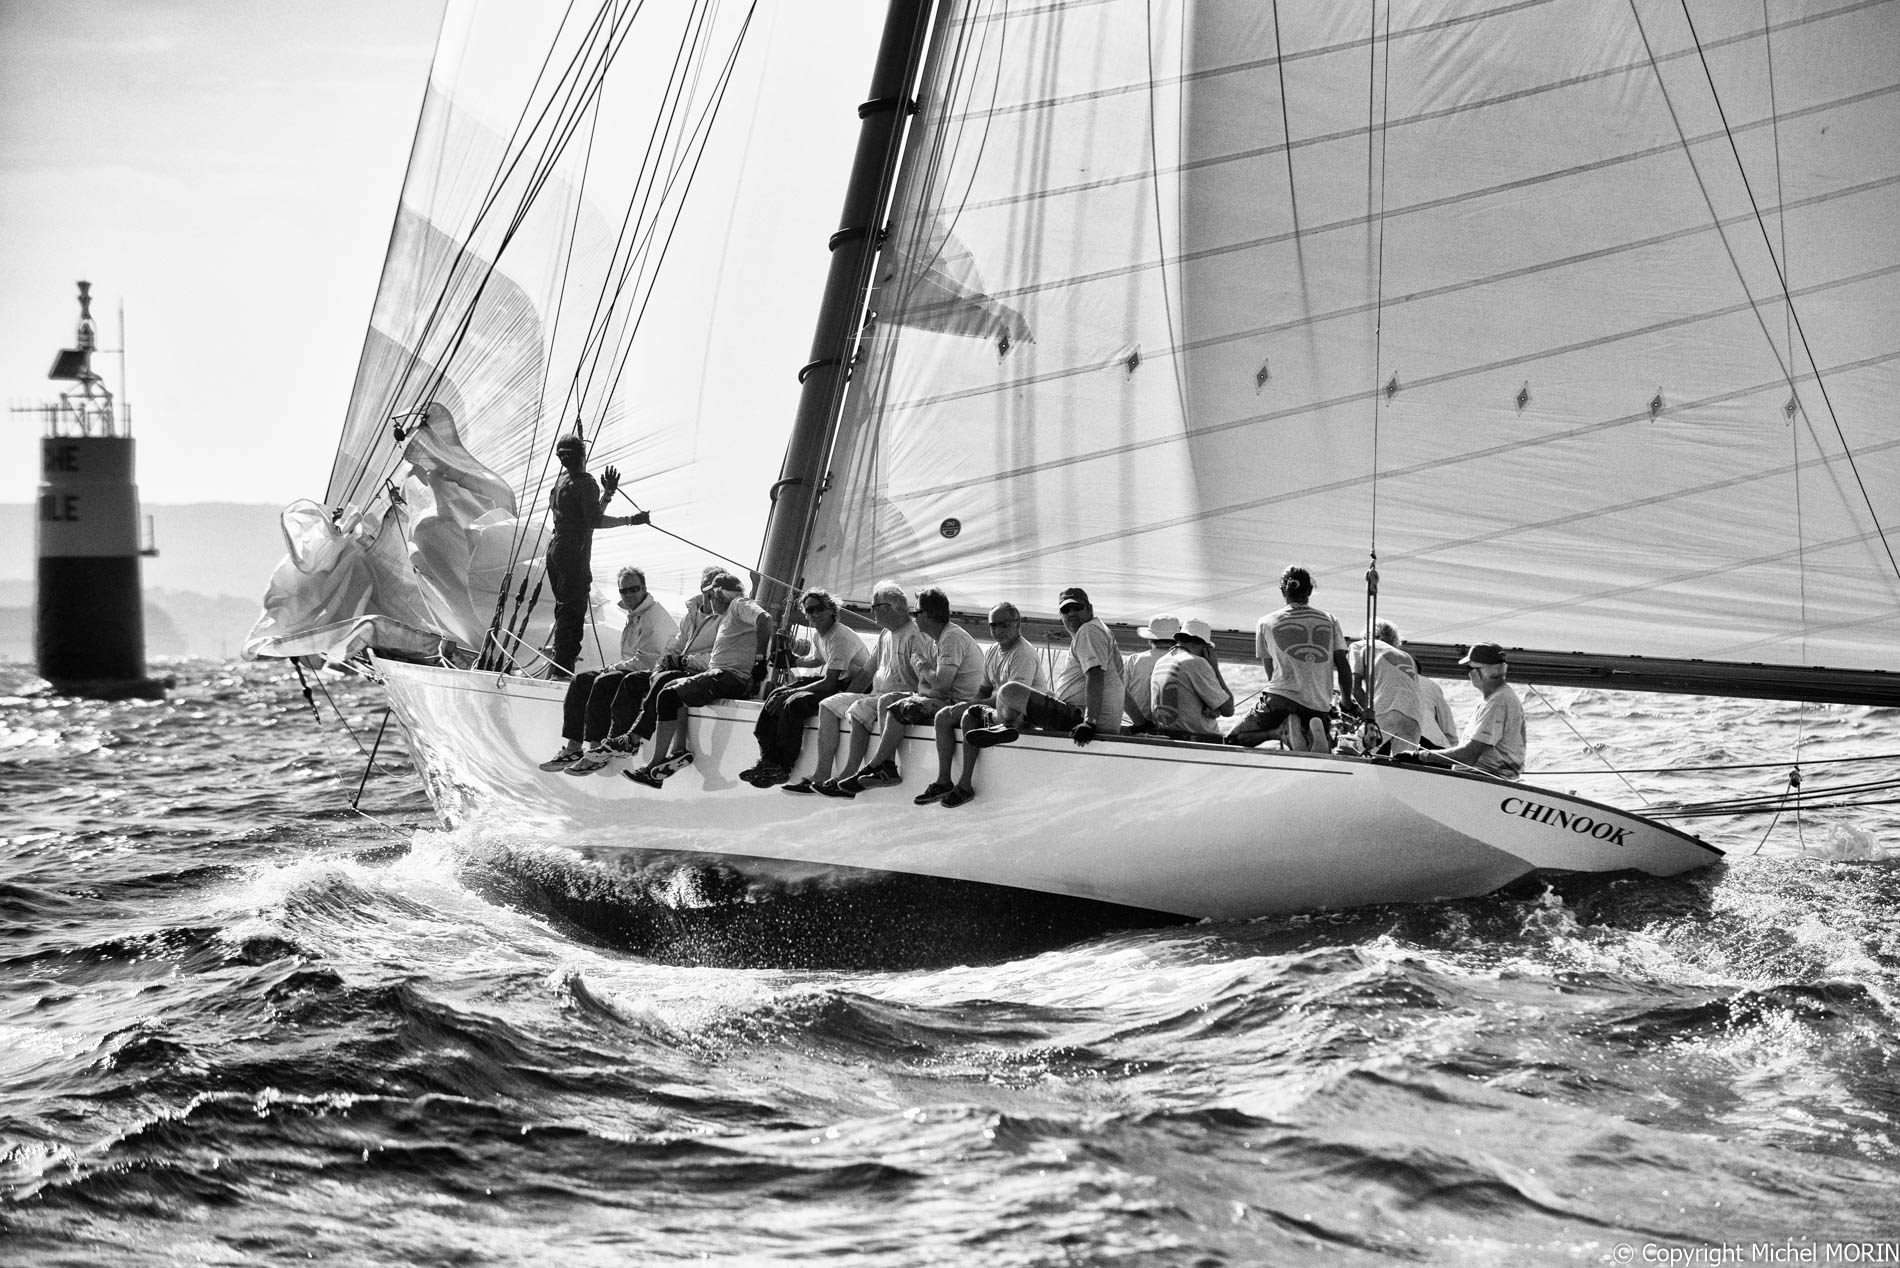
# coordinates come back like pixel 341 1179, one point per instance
pixel 1585 316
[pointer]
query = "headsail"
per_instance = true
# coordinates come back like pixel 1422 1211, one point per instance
pixel 564 156
pixel 1479 283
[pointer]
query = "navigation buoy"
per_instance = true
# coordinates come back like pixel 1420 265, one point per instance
pixel 89 622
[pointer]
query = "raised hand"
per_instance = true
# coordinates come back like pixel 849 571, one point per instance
pixel 609 481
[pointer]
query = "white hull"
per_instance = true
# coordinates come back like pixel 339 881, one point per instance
pixel 1187 830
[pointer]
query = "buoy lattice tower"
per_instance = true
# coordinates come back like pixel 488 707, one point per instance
pixel 89 621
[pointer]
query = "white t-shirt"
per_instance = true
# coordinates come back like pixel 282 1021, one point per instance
pixel 1499 722
pixel 1019 664
pixel 843 649
pixel 1137 675
pixel 895 651
pixel 959 652
pixel 1395 697
pixel 1090 646
pixel 735 646
pixel 1298 643
pixel 1187 694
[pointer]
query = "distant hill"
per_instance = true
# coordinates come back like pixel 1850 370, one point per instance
pixel 203 589
pixel 210 548
pixel 177 622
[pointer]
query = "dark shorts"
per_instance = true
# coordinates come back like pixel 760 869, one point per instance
pixel 1269 712
pixel 1046 713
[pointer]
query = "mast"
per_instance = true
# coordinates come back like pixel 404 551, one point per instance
pixel 853 252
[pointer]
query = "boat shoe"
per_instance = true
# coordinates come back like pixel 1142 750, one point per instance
pixel 985 736
pixel 562 760
pixel 883 775
pixel 959 797
pixel 800 786
pixel 835 788
pixel 590 761
pixel 935 792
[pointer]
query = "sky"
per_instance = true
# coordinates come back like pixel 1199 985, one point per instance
pixel 228 169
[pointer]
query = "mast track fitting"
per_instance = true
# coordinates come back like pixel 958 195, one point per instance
pixel 882 105
pixel 804 372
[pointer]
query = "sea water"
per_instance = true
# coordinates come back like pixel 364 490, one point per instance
pixel 242 1023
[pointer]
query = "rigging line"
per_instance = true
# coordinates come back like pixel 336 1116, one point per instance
pixel 1161 237
pixel 395 227
pixel 597 323
pixel 540 73
pixel 1781 279
pixel 925 168
pixel 1787 337
pixel 703 131
pixel 635 234
pixel 961 62
pixel 1286 124
pixel 533 499
pixel 458 271
pixel 1697 770
pixel 348 729
pixel 1595 749
pixel 579 93
pixel 518 534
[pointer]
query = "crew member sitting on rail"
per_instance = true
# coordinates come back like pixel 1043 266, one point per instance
pixel 1189 691
pixel 846 664
pixel 745 635
pixel 897 646
pixel 1495 742
pixel 1012 659
pixel 1089 694
pixel 587 713
pixel 1138 672
pixel 949 674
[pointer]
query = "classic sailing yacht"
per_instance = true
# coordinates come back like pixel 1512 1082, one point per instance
pixel 1580 320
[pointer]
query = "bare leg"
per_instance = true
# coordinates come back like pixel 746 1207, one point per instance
pixel 971 720
pixel 828 725
pixel 1012 703
pixel 854 755
pixel 946 724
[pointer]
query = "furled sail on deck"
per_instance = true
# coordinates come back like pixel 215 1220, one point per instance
pixel 1479 283
pixel 594 198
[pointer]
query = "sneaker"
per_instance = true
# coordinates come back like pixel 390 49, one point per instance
pixel 800 786
pixel 623 745
pixel 590 761
pixel 672 765
pixel 959 797
pixel 987 736
pixel 935 792
pixel 644 776
pixel 883 775
pixel 835 788
pixel 753 772
pixel 562 760
pixel 770 777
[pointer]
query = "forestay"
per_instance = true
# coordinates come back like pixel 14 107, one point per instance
pixel 1178 293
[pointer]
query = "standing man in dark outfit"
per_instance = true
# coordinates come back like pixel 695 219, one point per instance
pixel 576 506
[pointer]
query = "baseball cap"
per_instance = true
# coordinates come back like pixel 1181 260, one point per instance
pixel 566 443
pixel 1483 654
pixel 1072 597
pixel 1160 626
